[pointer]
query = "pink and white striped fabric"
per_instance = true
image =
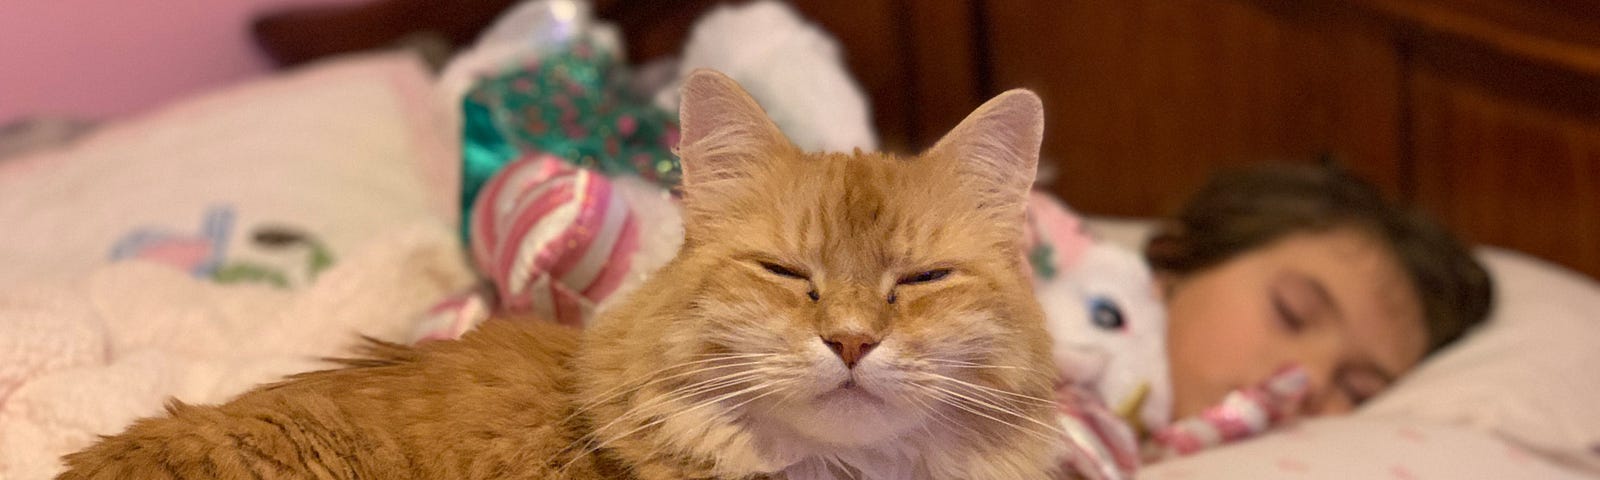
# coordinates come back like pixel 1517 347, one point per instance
pixel 1099 445
pixel 1244 413
pixel 555 239
pixel 453 317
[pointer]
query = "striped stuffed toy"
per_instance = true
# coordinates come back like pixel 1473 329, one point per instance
pixel 555 241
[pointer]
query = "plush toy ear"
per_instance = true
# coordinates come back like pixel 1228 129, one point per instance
pixel 724 133
pixel 996 150
pixel 1054 227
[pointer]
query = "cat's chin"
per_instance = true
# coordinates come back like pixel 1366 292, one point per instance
pixel 846 417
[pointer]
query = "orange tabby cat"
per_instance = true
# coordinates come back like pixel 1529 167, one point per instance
pixel 830 316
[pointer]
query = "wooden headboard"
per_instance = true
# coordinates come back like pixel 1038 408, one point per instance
pixel 1484 112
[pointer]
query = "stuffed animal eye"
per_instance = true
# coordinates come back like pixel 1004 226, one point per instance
pixel 1105 314
pixel 783 271
pixel 924 277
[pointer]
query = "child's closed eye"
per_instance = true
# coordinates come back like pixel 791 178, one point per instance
pixel 1298 300
pixel 1287 317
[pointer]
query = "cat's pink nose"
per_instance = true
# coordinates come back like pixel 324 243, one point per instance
pixel 850 347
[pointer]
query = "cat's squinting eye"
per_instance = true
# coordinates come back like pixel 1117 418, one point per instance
pixel 783 271
pixel 924 277
pixel 791 273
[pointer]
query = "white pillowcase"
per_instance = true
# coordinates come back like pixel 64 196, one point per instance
pixel 1366 448
pixel 1529 374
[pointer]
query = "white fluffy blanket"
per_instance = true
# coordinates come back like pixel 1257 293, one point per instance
pixel 88 357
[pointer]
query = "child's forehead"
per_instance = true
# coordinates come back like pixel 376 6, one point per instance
pixel 1378 307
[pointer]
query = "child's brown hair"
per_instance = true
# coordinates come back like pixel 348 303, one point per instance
pixel 1244 209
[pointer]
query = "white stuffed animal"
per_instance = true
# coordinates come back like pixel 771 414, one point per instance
pixel 1105 317
pixel 794 69
pixel 1103 310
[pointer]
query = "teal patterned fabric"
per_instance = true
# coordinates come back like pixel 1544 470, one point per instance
pixel 574 104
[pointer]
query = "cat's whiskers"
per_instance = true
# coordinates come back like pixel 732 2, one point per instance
pixel 939 415
pixel 970 397
pixel 978 366
pixel 589 439
pixel 732 355
pixel 634 385
pixel 664 419
pixel 930 414
pixel 676 394
pixel 680 393
pixel 972 405
pixel 957 362
pixel 837 462
pixel 708 358
pixel 994 401
pixel 979 407
pixel 964 363
pixel 712 418
pixel 945 399
pixel 671 395
pixel 994 391
pixel 643 408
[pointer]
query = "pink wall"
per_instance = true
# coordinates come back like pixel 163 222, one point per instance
pixel 105 58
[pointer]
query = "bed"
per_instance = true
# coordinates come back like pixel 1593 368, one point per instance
pixel 329 190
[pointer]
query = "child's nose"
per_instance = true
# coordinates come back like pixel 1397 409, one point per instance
pixel 1323 396
pixel 1320 359
pixel 1325 401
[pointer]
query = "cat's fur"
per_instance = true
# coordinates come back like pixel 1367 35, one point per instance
pixel 718 367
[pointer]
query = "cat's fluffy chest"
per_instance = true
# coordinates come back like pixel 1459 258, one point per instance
pixel 891 462
pixel 897 459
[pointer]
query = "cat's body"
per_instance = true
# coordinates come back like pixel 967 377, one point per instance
pixel 491 405
pixel 830 316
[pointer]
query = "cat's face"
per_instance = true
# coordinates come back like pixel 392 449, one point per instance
pixel 864 293
pixel 848 299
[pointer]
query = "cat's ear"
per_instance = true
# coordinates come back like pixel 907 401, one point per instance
pixel 724 133
pixel 996 150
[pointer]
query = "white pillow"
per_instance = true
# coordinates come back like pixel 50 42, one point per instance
pixel 1366 448
pixel 341 151
pixel 1529 374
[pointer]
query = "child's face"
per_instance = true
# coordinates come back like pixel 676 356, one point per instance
pixel 1335 303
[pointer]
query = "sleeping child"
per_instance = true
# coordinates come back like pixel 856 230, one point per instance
pixel 1277 291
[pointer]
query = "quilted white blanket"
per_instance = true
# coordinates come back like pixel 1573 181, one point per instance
pixel 86 358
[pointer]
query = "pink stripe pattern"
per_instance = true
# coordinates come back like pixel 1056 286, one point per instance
pixel 1099 445
pixel 1242 414
pixel 555 239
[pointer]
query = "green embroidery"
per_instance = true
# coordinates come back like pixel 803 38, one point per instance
pixel 318 259
pixel 244 272
pixel 1043 259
